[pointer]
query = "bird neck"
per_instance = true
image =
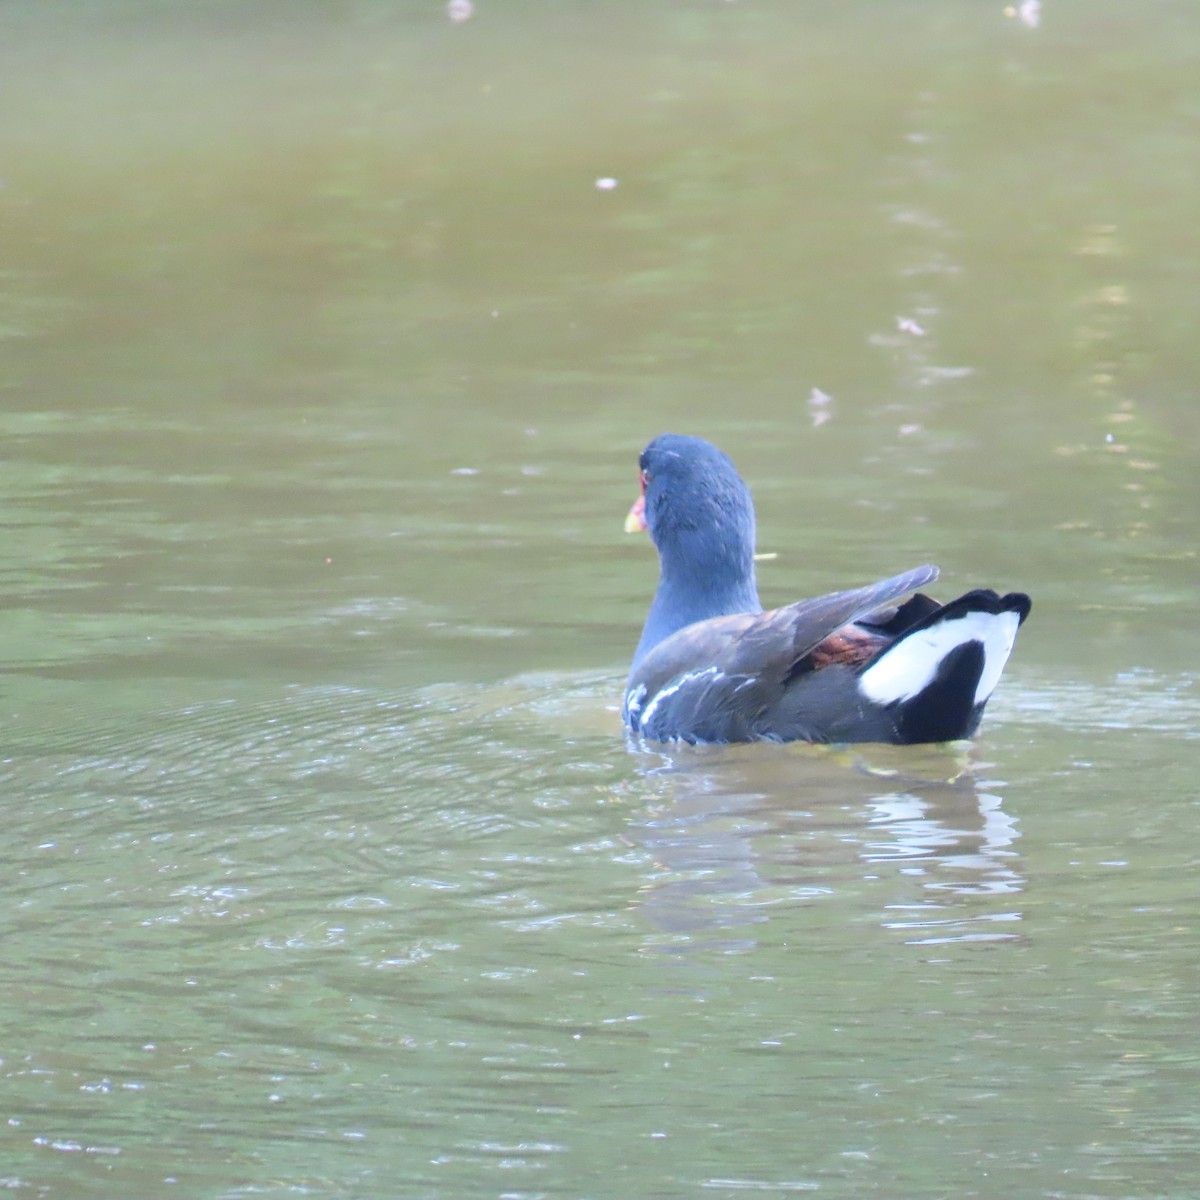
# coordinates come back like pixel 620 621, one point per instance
pixel 699 579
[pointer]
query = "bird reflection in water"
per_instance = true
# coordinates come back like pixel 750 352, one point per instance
pixel 919 838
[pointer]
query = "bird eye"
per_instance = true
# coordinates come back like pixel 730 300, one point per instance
pixel 646 477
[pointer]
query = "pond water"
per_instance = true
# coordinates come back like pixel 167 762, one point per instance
pixel 329 335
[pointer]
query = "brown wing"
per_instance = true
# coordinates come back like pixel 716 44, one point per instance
pixel 752 655
pixel 850 646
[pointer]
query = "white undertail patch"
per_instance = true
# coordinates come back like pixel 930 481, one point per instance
pixel 908 668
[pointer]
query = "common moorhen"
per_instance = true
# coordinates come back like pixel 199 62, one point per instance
pixel 852 666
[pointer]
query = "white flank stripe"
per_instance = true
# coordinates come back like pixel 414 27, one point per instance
pixel 909 667
pixel 667 692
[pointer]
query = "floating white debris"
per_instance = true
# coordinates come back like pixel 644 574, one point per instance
pixel 606 183
pixel 464 471
pixel 818 403
pixel 460 10
pixel 908 325
pixel 1028 12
